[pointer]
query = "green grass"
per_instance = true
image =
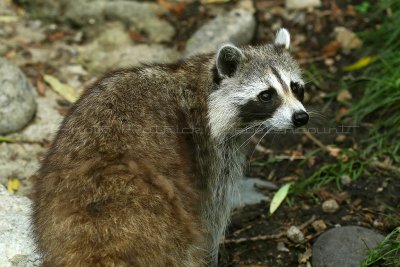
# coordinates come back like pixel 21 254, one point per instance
pixel 380 82
pixel 329 173
pixel 387 253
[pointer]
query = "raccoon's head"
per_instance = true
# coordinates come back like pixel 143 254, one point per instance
pixel 259 87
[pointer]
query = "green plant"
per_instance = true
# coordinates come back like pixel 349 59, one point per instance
pixel 387 253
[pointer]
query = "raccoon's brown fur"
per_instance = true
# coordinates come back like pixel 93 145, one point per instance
pixel 119 186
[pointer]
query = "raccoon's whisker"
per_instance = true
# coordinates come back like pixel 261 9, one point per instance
pixel 248 139
pixel 243 130
pixel 260 140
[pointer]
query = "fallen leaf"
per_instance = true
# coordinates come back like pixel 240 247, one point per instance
pixel 40 87
pixel 331 49
pixel 361 63
pixel 214 1
pixel 343 111
pixel 13 185
pixel 55 36
pixel 8 19
pixel 348 40
pixel 66 91
pixel 177 7
pixel 4 139
pixel 279 196
pixel 334 151
pixel 304 257
pixel 344 96
pixel 350 11
pixel 336 12
pixel 137 37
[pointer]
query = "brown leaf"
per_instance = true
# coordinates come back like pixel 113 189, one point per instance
pixel 55 36
pixel 331 49
pixel 350 11
pixel 344 96
pixel 40 87
pixel 311 161
pixel 336 12
pixel 304 257
pixel 137 37
pixel 333 151
pixel 177 8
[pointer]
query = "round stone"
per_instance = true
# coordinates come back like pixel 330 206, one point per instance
pixel 17 101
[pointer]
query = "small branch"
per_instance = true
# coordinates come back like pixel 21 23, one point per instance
pixel 387 167
pixel 266 237
pixel 316 141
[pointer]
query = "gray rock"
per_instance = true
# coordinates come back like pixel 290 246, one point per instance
pixel 113 49
pixel 17 248
pixel 19 160
pixel 17 103
pixel 248 193
pixel 237 27
pixel 344 246
pixel 144 16
pixel 46 122
pixel 295 234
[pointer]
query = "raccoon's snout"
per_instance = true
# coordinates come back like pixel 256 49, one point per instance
pixel 300 118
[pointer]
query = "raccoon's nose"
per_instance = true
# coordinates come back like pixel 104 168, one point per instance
pixel 300 118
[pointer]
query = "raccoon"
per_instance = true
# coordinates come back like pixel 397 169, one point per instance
pixel 145 166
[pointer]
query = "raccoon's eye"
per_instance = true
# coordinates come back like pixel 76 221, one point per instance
pixel 266 95
pixel 298 90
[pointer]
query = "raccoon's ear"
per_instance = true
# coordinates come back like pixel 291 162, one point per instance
pixel 282 38
pixel 228 58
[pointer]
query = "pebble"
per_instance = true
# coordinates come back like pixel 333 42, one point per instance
pixel 345 179
pixel 319 226
pixel 295 234
pixel 330 206
pixel 17 102
pixel 237 27
pixel 281 247
pixel 344 246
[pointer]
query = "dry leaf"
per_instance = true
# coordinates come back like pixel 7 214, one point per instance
pixel 13 185
pixel 177 8
pixel 341 113
pixel 66 91
pixel 40 87
pixel 303 258
pixel 214 1
pixel 334 151
pixel 343 96
pixel 331 49
pixel 8 19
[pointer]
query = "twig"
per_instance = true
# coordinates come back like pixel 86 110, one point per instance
pixel 380 165
pixel 266 237
pixel 316 141
pixel 307 223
